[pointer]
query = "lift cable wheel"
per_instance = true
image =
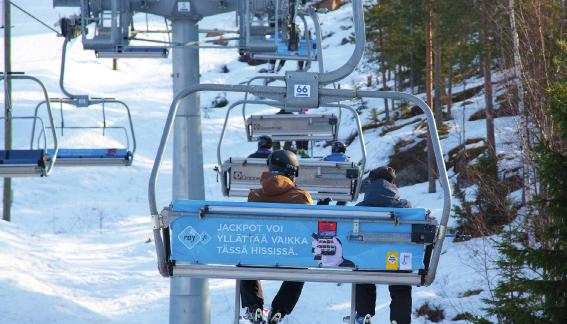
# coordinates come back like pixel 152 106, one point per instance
pixel 34 161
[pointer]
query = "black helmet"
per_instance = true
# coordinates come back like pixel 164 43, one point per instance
pixel 384 172
pixel 284 162
pixel 338 147
pixel 264 142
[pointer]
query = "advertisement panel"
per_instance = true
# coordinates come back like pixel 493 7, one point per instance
pixel 293 242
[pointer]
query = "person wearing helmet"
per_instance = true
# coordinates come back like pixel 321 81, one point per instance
pixel 383 192
pixel 264 148
pixel 338 151
pixel 278 186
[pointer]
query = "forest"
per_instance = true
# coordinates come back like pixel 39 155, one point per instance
pixel 431 45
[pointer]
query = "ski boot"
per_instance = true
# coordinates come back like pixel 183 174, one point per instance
pixel 363 319
pixel 255 315
pixel 274 317
pixel 359 319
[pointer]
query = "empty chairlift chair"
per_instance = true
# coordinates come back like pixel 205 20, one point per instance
pixel 96 156
pixel 35 161
pixel 268 31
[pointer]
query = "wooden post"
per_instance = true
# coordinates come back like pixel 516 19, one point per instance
pixel 383 71
pixel 429 89
pixel 487 73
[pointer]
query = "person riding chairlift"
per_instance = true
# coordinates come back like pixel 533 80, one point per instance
pixel 338 151
pixel 264 148
pixel 383 192
pixel 278 186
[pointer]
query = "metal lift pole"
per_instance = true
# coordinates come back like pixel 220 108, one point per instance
pixel 189 297
pixel 7 194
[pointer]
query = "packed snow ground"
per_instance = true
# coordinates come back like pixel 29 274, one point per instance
pixel 78 248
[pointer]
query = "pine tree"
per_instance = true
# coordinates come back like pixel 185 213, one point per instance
pixel 510 303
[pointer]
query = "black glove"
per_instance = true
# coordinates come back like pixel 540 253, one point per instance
pixel 325 201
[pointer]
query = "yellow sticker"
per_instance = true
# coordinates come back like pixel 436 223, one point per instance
pixel 391 260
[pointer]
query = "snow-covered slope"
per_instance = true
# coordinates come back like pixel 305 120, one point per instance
pixel 78 249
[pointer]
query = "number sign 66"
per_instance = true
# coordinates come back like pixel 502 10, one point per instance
pixel 302 90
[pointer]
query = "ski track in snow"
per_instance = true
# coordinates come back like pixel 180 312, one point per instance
pixel 78 248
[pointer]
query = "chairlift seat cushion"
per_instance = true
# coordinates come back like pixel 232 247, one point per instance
pixel 265 234
pixel 71 153
pixel 264 47
pixel 28 157
pixel 301 50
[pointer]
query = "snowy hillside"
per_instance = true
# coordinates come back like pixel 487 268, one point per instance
pixel 78 249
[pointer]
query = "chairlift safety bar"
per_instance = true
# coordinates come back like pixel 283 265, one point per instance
pixel 168 216
pixel 308 274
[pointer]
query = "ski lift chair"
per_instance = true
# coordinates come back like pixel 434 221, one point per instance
pixel 268 32
pixel 89 156
pixel 245 241
pixel 111 36
pixel 306 51
pixel 238 240
pixel 339 181
pixel 34 161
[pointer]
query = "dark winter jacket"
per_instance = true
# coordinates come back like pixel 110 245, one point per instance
pixel 381 193
pixel 279 189
pixel 261 154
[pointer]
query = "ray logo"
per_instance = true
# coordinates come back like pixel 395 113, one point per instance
pixel 190 237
